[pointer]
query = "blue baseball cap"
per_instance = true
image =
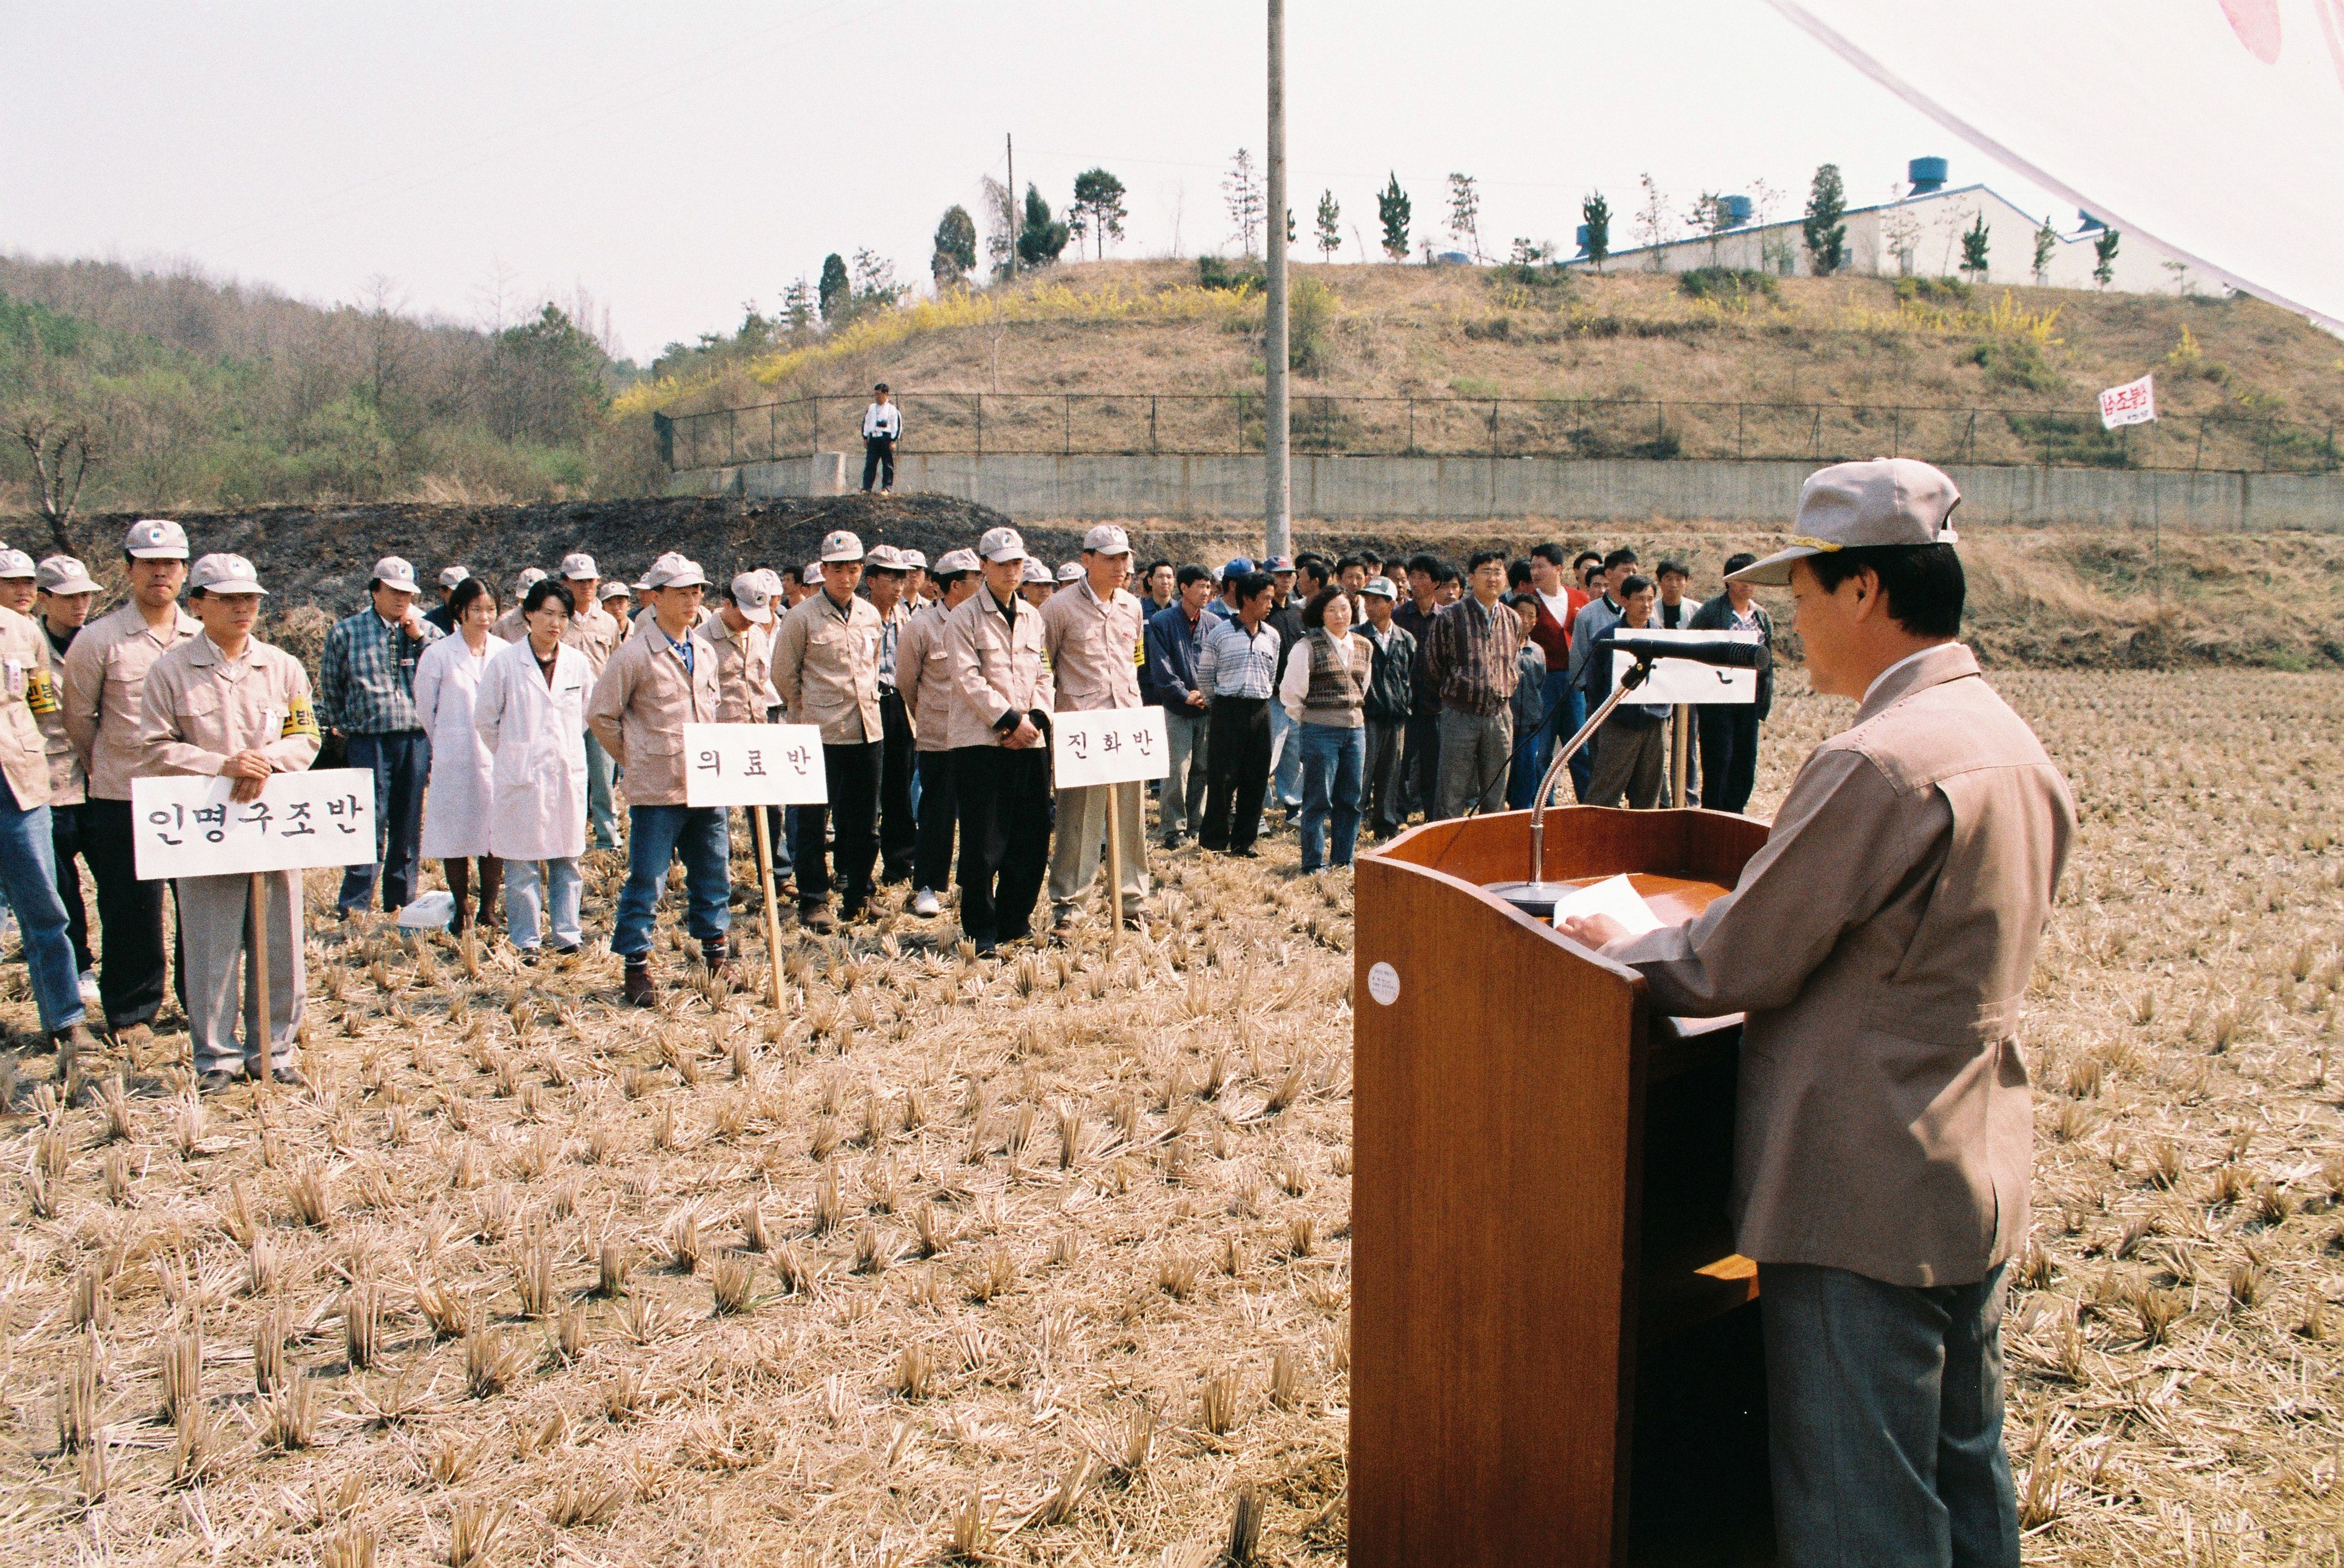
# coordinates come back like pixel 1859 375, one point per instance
pixel 1237 567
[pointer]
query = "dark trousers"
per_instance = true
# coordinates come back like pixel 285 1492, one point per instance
pixel 1729 755
pixel 64 842
pixel 1004 837
pixel 1386 809
pixel 1420 767
pixel 879 457
pixel 1236 767
pixel 1885 1421
pixel 400 763
pixel 897 834
pixel 854 773
pixel 939 810
pixel 129 918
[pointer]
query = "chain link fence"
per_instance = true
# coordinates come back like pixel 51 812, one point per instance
pixel 1190 424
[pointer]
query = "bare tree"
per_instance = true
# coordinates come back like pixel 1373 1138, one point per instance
pixel 64 444
pixel 1241 187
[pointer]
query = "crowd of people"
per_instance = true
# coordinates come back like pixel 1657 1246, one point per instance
pixel 1336 696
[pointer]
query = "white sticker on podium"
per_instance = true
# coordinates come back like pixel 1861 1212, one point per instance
pixel 1383 984
pixel 753 764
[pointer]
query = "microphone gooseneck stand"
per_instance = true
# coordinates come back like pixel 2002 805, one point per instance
pixel 1536 897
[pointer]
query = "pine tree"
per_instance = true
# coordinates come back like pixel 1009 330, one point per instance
pixel 1041 238
pixel 2104 269
pixel 835 286
pixel 955 255
pixel 1825 235
pixel 1331 225
pixel 2046 244
pixel 1098 208
pixel 1974 249
pixel 1596 213
pixel 798 304
pixel 1242 190
pixel 1392 211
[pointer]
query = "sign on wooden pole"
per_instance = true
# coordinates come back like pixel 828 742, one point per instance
pixel 757 766
pixel 1113 747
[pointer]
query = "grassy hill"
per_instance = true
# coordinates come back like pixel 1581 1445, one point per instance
pixel 1535 333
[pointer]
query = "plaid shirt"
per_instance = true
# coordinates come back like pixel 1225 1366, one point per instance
pixel 366 679
pixel 1470 654
pixel 1233 665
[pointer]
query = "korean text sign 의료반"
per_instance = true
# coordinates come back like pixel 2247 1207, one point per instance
pixel 186 825
pixel 753 764
pixel 1109 745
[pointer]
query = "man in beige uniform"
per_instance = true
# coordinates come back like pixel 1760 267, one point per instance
pixel 595 632
pixel 104 684
pixel 660 678
pixel 61 608
pixel 512 625
pixel 1091 633
pixel 27 862
pixel 225 704
pixel 827 668
pixel 925 681
pixel 741 633
pixel 1881 944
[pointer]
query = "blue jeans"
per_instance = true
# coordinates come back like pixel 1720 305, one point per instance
pixel 1334 765
pixel 521 902
pixel 1885 1421
pixel 400 763
pixel 1286 769
pixel 1530 765
pixel 1566 724
pixel 29 872
pixel 656 834
pixel 602 823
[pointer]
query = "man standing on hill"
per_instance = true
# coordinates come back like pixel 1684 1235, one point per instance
pixel 882 427
pixel 366 693
pixel 827 668
pixel 106 682
pixel 1879 946
pixel 1089 633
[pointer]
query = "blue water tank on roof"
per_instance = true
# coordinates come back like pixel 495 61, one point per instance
pixel 1734 209
pixel 1925 174
pixel 1582 240
pixel 2085 222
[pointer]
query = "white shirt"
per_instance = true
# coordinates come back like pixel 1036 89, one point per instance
pixel 1559 606
pixel 883 419
pixel 1295 684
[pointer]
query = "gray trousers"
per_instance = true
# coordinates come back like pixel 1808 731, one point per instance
pixel 1630 762
pixel 211 934
pixel 1183 807
pixel 1885 1421
pixel 1473 751
pixel 1081 842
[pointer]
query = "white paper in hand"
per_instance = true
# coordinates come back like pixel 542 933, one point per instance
pixel 1615 896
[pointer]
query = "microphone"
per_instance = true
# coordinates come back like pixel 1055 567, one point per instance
pixel 1727 656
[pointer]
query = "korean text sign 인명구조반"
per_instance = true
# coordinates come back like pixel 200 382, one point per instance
pixel 1109 745
pixel 753 764
pixel 186 825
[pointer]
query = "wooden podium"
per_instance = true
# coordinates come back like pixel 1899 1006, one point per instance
pixel 1555 1356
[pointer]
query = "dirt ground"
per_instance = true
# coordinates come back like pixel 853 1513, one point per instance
pixel 1047 1260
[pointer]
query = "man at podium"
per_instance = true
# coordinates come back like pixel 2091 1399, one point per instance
pixel 1881 944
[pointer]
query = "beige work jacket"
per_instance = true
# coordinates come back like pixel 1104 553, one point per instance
pixel 1881 944
pixel 69 780
pixel 641 701
pixel 24 683
pixel 742 658
pixel 998 667
pixel 595 632
pixel 826 667
pixel 201 707
pixel 1092 643
pixel 924 677
pixel 104 682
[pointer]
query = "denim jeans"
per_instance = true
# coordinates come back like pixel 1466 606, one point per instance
pixel 400 763
pixel 1885 1421
pixel 1583 760
pixel 1285 760
pixel 28 871
pixel 601 822
pixel 523 901
pixel 703 835
pixel 1537 756
pixel 1334 762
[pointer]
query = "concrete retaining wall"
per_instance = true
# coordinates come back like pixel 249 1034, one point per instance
pixel 1597 491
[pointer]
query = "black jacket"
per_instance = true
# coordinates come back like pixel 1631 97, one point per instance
pixel 1717 615
pixel 1392 685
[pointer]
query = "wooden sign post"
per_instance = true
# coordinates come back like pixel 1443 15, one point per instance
pixel 1120 748
pixel 757 766
pixel 186 825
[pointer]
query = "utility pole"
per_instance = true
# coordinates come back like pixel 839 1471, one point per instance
pixel 1010 217
pixel 1276 458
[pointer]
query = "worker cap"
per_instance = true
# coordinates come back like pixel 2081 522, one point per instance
pixel 1860 506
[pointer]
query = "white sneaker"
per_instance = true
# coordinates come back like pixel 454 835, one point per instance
pixel 924 902
pixel 89 988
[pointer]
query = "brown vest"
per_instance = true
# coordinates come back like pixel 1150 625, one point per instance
pixel 1337 695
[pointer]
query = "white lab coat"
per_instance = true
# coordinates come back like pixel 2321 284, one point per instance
pixel 537 735
pixel 456 805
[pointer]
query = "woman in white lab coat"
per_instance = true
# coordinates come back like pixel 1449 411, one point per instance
pixel 531 716
pixel 456 805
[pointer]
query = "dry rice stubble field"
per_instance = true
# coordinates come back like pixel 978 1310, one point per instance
pixel 1047 1260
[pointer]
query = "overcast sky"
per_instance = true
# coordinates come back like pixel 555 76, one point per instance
pixel 680 160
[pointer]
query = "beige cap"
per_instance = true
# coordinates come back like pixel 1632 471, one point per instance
pixel 615 588
pixel 451 575
pixel 1037 572
pixel 14 563
pixel 579 568
pixel 1107 539
pixel 1000 544
pixel 156 539
pixel 1070 572
pixel 531 576
pixel 675 569
pixel 1857 506
pixel 912 560
pixel 955 561
pixel 752 598
pixel 812 578
pixel 394 573
pixel 225 575
pixel 883 558
pixel 841 546
pixel 63 574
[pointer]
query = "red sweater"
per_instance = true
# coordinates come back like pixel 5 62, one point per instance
pixel 1553 636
